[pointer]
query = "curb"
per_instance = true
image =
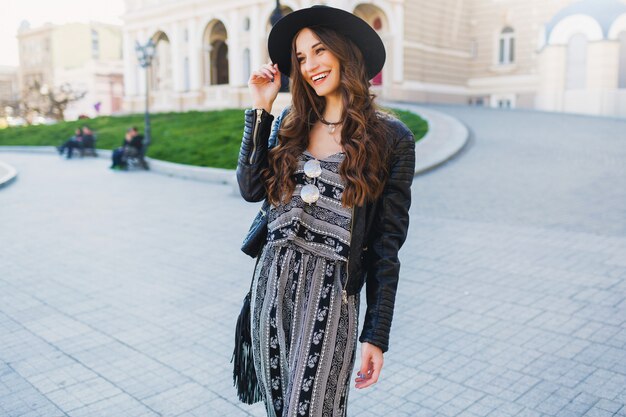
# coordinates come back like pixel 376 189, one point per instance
pixel 171 169
pixel 446 137
pixel 7 174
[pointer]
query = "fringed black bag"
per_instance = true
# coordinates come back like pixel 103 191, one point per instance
pixel 244 375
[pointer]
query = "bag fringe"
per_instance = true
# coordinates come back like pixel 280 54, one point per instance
pixel 244 375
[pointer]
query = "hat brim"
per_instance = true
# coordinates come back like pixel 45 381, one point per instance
pixel 347 24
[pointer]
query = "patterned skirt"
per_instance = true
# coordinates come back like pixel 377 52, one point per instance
pixel 303 336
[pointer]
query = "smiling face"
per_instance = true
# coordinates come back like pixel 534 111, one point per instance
pixel 319 67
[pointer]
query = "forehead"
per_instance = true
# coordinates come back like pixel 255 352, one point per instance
pixel 305 39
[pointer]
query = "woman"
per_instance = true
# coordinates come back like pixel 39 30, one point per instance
pixel 337 174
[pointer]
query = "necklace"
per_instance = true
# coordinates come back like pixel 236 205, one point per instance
pixel 330 126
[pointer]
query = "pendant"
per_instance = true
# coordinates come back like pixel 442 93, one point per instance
pixel 312 168
pixel 331 128
pixel 310 193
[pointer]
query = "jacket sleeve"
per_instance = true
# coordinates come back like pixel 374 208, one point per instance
pixel 253 154
pixel 389 232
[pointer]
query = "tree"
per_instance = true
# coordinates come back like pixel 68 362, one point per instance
pixel 51 102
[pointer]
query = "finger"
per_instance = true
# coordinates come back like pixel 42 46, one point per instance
pixel 365 366
pixel 367 381
pixel 259 78
pixel 271 67
pixel 365 370
pixel 369 373
pixel 257 74
pixel 268 74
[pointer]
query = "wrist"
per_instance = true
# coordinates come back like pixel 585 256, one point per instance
pixel 265 106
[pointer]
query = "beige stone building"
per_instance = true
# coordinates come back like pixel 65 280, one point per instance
pixel 85 56
pixel 9 91
pixel 558 55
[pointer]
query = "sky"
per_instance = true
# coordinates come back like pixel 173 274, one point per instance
pixel 38 12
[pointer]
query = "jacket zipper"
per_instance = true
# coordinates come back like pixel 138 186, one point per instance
pixel 259 112
pixel 344 292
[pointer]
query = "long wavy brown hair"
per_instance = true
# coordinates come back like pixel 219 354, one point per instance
pixel 363 134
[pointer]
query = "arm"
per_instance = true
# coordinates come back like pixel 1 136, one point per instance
pixel 263 85
pixel 258 137
pixel 389 233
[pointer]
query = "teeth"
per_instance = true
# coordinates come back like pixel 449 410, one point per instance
pixel 319 77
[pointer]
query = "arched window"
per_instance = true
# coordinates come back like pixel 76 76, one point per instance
pixel 220 63
pixel 506 54
pixel 622 61
pixel 576 70
pixel 215 53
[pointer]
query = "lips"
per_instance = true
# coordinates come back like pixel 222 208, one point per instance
pixel 319 78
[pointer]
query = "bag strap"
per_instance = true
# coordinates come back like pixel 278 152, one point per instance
pixel 254 272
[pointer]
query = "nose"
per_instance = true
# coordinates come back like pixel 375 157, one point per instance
pixel 311 64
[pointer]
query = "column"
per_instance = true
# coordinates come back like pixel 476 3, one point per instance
pixel 194 40
pixel 257 37
pixel 176 46
pixel 130 65
pixel 234 49
pixel 398 43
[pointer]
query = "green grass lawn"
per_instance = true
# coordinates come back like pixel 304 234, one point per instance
pixel 209 139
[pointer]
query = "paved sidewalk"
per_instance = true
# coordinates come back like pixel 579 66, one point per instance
pixel 119 290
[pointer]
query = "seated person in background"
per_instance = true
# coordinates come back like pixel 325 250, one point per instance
pixel 88 138
pixel 72 143
pixel 137 140
pixel 132 143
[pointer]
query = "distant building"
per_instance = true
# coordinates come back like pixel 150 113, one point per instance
pixel 9 94
pixel 85 56
pixel 560 55
pixel 9 91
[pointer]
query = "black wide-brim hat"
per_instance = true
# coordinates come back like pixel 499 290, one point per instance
pixel 347 24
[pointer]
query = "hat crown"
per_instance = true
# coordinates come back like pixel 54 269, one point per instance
pixel 342 21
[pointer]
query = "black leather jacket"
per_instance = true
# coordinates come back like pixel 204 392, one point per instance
pixel 378 229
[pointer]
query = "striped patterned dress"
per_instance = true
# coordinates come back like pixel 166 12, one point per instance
pixel 304 333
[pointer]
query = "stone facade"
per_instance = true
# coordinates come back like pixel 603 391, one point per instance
pixel 483 52
pixel 87 57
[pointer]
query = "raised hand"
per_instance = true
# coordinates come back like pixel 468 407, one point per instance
pixel 264 85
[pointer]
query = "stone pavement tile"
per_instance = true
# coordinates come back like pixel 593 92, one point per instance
pixel 118 405
pixel 526 412
pixel 598 412
pixel 184 398
pixel 61 377
pixel 609 315
pixel 511 312
pixel 607 405
pixel 605 384
pixel 19 397
pixel 485 405
pixel 537 394
pixel 42 358
pixel 216 407
pixel 555 322
pixel 82 394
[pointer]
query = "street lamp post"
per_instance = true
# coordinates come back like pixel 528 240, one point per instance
pixel 145 53
pixel 276 14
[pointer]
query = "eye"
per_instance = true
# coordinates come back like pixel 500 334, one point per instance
pixel 300 59
pixel 318 50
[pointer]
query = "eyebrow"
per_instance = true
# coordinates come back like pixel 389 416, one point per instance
pixel 312 47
